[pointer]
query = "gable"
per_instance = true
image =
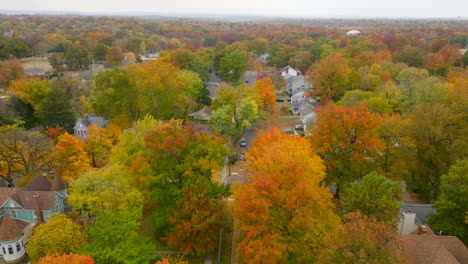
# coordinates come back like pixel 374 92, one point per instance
pixel 10 203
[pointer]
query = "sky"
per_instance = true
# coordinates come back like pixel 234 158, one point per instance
pixel 287 8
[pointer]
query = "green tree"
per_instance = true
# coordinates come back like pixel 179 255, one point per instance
pixel 58 235
pixel 189 60
pixel 451 216
pixel 77 57
pixel 114 239
pixel 232 66
pixel 100 52
pixel 55 110
pixel 374 196
pixel 411 56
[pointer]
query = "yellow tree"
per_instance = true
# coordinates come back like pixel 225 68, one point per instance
pixel 59 235
pixel 284 211
pixel 98 146
pixel 72 156
pixel 31 91
pixel 266 97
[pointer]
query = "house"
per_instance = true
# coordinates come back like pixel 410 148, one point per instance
pixel 22 208
pixel 35 72
pixel 264 57
pixel 307 113
pixel 81 127
pixel 296 101
pixel 150 57
pixel 297 84
pixel 289 71
pixel 432 249
pixel 202 114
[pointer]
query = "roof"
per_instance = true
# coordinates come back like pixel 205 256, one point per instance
pixel 202 114
pixel 429 249
pixel 93 120
pixel 26 199
pixel 34 71
pixel 39 183
pixel 6 193
pixel 250 77
pixel 58 184
pixel 422 210
pixel 9 229
pixel 201 128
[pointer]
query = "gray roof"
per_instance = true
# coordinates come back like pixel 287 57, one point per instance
pixel 422 211
pixel 250 77
pixel 34 71
pixel 93 120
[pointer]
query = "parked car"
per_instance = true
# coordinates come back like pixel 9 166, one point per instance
pixel 242 156
pixel 279 100
pixel 243 143
pixel 289 99
pixel 299 127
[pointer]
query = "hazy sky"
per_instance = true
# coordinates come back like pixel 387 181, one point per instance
pixel 303 8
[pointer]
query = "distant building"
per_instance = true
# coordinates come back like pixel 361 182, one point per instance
pixel 35 72
pixel 81 127
pixel 289 71
pixel 22 208
pixel 250 77
pixel 353 32
pixel 150 57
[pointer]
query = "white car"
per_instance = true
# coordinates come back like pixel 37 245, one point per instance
pixel 243 143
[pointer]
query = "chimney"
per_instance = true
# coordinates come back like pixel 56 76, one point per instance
pixel 37 205
pixel 408 222
pixel 422 230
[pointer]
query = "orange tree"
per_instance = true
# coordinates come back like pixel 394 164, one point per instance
pixel 284 211
pixel 343 136
pixel 66 259
pixel 72 156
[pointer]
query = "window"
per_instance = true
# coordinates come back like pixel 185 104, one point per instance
pixel 78 132
pixel 84 133
pixel 4 250
pixel 18 246
pixel 10 249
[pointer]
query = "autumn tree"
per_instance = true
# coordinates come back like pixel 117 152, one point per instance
pixel 71 156
pixel 198 219
pixel 283 211
pixel 362 239
pixel 451 216
pixel 103 191
pixel 10 70
pixel 330 77
pixel 114 56
pixel 66 259
pixel 374 196
pixel 98 146
pixel 266 97
pixel 58 235
pixel 178 155
pixel 24 155
pixel 31 91
pixel 343 137
pixel 188 60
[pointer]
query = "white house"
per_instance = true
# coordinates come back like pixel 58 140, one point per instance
pixel 353 32
pixel 81 127
pixel 289 71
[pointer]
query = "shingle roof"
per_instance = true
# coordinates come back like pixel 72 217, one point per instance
pixel 428 249
pixel 26 200
pixel 39 183
pixel 58 184
pixel 6 193
pixel 9 230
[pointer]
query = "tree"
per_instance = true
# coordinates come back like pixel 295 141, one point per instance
pixel 234 111
pixel 10 70
pixel 374 196
pixel 330 77
pixel 16 47
pixel 115 240
pixel 266 97
pixel 77 57
pixel 284 210
pixel 66 259
pixel 451 215
pixel 31 91
pixel 55 110
pixel 58 235
pixel 24 155
pixel 100 52
pixel 411 56
pixel 198 219
pixel 114 56
pixel 177 156
pixel 98 146
pixel 187 60
pixel 362 239
pixel 232 66
pixel 72 156
pixel 104 191
pixel 343 137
